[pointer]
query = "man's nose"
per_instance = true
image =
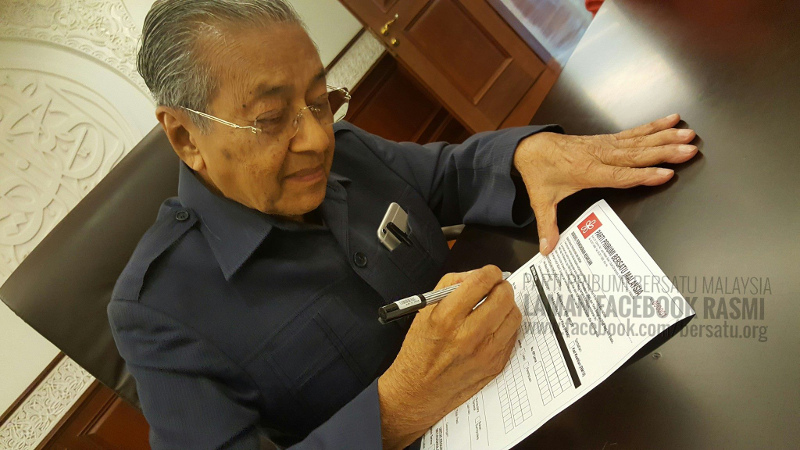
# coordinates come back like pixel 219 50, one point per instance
pixel 311 135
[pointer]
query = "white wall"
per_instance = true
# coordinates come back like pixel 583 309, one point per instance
pixel 71 106
pixel 24 354
pixel 330 25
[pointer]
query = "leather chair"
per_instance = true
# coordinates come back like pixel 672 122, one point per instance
pixel 63 287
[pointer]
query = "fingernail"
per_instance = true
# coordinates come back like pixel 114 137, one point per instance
pixel 672 116
pixel 685 133
pixel 687 149
pixel 664 172
pixel 543 244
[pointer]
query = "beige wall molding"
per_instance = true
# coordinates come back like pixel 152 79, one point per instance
pixel 45 406
pixel 356 62
pixel 102 29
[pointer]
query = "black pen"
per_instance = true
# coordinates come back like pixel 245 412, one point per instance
pixel 409 305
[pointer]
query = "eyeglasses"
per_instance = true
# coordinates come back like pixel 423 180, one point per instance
pixel 282 126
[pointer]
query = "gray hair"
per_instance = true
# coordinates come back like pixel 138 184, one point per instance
pixel 170 56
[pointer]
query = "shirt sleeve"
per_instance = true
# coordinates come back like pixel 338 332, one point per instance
pixel 195 396
pixel 462 183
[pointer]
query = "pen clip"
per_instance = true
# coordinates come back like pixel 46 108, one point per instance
pixel 399 234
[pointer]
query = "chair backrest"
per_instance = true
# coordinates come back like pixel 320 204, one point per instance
pixel 63 287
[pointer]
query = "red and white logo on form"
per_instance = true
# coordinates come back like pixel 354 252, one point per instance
pixel 588 226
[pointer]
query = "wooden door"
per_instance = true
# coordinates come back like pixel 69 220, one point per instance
pixel 390 103
pixel 465 54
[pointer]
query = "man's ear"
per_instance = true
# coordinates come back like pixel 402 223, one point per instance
pixel 181 134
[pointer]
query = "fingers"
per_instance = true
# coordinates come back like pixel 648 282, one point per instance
pixel 650 128
pixel 450 279
pixel 476 285
pixel 624 177
pixel 491 313
pixel 509 327
pixel 648 156
pixel 546 226
pixel 663 137
pixel 507 338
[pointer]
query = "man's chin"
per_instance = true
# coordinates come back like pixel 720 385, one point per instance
pixel 302 204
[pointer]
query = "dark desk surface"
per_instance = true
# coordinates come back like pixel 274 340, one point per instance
pixel 731 68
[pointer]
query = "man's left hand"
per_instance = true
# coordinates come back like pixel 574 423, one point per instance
pixel 555 166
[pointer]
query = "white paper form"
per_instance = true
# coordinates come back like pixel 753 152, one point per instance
pixel 587 308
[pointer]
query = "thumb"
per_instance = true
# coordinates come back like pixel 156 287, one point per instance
pixel 546 226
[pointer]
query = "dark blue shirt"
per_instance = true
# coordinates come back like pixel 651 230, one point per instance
pixel 236 323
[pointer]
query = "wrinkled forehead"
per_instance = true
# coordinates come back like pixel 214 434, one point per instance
pixel 279 60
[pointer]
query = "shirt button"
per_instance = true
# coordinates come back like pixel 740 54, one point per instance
pixel 181 215
pixel 360 259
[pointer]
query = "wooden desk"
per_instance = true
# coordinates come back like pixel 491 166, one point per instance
pixel 732 70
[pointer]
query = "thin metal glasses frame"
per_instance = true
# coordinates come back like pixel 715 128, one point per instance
pixel 296 120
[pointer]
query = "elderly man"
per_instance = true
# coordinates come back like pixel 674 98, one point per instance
pixel 248 310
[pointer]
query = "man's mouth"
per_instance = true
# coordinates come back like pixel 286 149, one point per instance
pixel 309 175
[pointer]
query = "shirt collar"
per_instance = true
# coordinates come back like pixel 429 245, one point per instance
pixel 234 231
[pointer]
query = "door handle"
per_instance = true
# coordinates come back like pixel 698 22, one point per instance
pixel 385 29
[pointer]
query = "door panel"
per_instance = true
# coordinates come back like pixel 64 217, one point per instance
pixel 464 53
pixel 391 104
pixel 385 5
pixel 503 94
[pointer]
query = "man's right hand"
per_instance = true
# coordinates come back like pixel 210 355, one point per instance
pixel 449 354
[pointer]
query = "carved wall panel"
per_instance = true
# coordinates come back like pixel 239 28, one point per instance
pixel 58 139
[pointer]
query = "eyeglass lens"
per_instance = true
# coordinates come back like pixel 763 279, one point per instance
pixel 326 112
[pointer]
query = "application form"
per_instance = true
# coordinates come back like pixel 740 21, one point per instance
pixel 587 308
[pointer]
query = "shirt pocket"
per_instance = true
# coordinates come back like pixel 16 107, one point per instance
pixel 313 362
pixel 420 262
